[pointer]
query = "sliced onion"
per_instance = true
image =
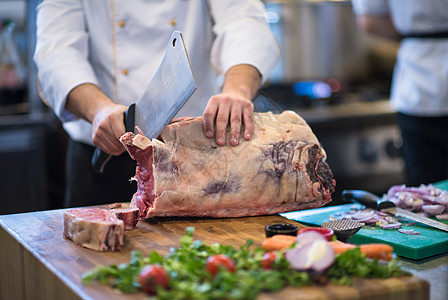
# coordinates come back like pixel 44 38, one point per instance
pixel 442 198
pixel 433 210
pixel 408 231
pixel 365 216
pixel 312 252
pixel 424 198
pixel 391 226
pixel 298 257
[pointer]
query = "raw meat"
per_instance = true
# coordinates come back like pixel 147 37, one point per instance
pixel 94 228
pixel 282 168
pixel 129 216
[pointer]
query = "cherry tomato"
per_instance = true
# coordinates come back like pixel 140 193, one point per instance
pixel 219 261
pixel 268 260
pixel 152 276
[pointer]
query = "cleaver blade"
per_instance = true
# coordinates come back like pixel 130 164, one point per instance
pixel 169 89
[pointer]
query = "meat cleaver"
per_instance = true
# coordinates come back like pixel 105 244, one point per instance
pixel 169 89
pixel 372 201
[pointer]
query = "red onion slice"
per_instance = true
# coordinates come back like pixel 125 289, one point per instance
pixel 433 210
pixel 312 252
pixel 424 198
pixel 391 226
pixel 408 231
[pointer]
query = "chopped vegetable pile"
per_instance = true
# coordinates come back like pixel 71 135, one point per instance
pixel 199 271
pixel 426 200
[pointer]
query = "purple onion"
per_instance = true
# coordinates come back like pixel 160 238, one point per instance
pixel 365 216
pixel 408 231
pixel 433 210
pixel 425 198
pixel 442 198
pixel 395 189
pixel 391 226
pixel 312 252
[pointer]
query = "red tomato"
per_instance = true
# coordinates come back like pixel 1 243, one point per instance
pixel 219 261
pixel 152 276
pixel 268 260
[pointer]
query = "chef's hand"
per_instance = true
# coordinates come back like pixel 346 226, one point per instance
pixel 233 104
pixel 87 101
pixel 108 127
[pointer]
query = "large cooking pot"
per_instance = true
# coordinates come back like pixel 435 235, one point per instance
pixel 318 40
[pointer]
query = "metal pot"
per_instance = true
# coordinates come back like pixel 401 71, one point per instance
pixel 318 40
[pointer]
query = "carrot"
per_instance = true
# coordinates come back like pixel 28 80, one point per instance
pixel 278 242
pixel 379 251
pixel 340 247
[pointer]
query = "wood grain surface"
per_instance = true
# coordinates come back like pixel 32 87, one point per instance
pixel 38 263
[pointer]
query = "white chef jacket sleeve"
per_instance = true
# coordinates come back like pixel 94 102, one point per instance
pixel 371 7
pixel 61 53
pixel 242 37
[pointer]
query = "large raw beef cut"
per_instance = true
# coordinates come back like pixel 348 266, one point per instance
pixel 183 173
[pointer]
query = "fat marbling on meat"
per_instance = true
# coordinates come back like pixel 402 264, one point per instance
pixel 183 173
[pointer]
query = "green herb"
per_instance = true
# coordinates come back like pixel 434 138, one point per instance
pixel 189 278
pixel 353 263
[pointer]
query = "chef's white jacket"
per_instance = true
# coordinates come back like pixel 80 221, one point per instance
pixel 118 45
pixel 420 81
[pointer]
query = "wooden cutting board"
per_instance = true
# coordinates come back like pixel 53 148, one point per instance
pixel 38 263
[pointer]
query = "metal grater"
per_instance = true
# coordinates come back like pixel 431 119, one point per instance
pixel 343 229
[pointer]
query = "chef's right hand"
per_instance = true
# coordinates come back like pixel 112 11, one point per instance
pixel 108 127
pixel 87 101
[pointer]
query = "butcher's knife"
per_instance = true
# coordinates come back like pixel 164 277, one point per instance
pixel 372 201
pixel 169 89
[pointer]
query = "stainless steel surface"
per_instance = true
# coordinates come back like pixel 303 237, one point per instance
pixel 168 90
pixel 434 270
pixel 415 217
pixel 318 40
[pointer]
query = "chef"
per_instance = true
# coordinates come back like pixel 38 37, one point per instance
pixel 419 88
pixel 95 58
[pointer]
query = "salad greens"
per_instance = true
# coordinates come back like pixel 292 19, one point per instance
pixel 189 278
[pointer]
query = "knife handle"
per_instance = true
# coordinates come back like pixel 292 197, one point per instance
pixel 365 198
pixel 361 197
pixel 101 158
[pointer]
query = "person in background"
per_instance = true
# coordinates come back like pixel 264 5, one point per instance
pixel 95 58
pixel 419 90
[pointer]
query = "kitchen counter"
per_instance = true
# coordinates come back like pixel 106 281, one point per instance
pixel 434 270
pixel 38 263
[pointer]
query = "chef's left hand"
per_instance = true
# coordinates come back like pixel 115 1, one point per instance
pixel 233 104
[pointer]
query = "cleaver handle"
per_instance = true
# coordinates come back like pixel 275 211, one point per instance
pixel 101 158
pixel 366 198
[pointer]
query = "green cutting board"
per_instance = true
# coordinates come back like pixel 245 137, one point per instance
pixel 431 241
